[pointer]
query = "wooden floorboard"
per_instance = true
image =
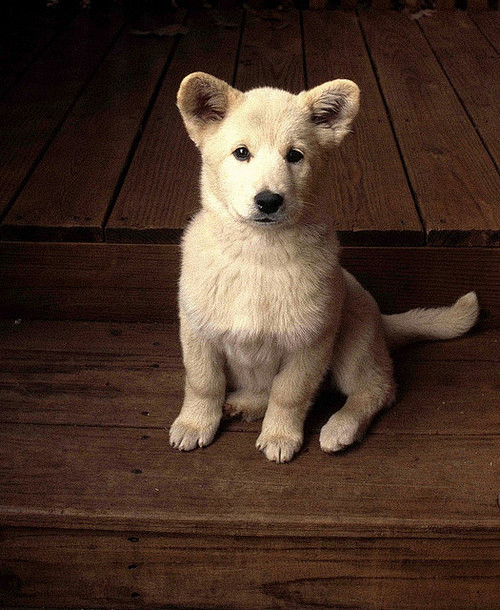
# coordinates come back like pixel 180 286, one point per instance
pixel 489 24
pixel 418 168
pixel 25 35
pixel 160 190
pixel 369 197
pixel 98 374
pixel 68 195
pixel 134 569
pixel 69 469
pixel 97 510
pixel 271 52
pixel 472 67
pixel 32 111
pixel 453 177
pixel 150 570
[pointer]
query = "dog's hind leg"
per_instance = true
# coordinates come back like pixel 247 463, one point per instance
pixel 361 369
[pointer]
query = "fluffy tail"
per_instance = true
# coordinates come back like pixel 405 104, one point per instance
pixel 437 323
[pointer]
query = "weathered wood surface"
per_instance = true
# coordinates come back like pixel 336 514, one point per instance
pixel 454 179
pixel 111 467
pixel 271 52
pixel 369 196
pixel 489 24
pixel 133 570
pixel 473 68
pixel 24 35
pixel 68 195
pixel 98 374
pixel 138 282
pixel 32 112
pixel 160 190
pixel 77 152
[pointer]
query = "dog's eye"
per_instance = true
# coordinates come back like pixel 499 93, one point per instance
pixel 294 156
pixel 242 153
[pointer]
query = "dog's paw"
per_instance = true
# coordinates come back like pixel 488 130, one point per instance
pixel 187 436
pixel 340 432
pixel 246 405
pixel 279 448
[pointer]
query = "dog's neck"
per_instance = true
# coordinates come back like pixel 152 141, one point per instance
pixel 268 244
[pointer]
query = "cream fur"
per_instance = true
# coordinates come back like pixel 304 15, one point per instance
pixel 265 307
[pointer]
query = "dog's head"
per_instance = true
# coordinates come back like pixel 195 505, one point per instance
pixel 263 150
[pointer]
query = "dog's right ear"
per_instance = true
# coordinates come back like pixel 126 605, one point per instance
pixel 203 101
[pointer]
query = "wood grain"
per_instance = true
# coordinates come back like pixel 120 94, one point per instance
pixel 131 375
pixel 89 281
pixel 472 67
pixel 369 196
pixel 271 52
pixel 25 34
pixel 136 569
pixel 129 478
pixel 489 24
pixel 160 190
pixel 453 177
pixel 477 5
pixel 32 111
pixel 68 196
pixel 138 282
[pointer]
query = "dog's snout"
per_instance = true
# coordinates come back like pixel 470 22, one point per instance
pixel 268 202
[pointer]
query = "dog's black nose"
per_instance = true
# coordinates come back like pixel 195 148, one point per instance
pixel 268 202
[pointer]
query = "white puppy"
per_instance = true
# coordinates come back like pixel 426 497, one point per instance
pixel 265 307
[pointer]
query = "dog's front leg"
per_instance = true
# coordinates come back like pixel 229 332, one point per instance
pixel 292 392
pixel 205 390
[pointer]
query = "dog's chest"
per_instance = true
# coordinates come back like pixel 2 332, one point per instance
pixel 244 297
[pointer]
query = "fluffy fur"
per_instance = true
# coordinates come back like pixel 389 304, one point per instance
pixel 265 307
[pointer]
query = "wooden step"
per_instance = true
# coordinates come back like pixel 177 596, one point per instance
pixel 97 510
pixel 139 282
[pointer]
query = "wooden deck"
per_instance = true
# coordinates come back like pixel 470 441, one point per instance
pixel 98 510
pixel 97 181
pixel 93 149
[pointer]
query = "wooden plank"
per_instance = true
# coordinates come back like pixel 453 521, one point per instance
pixel 160 190
pixel 445 5
pixel 67 197
pixel 33 110
pixel 472 67
pixel 369 192
pixel 108 374
pixel 95 373
pixel 134 282
pixel 25 34
pixel 89 281
pixel 489 24
pixel 125 478
pixel 105 569
pixel 380 4
pixel 477 5
pixel 271 52
pixel 453 177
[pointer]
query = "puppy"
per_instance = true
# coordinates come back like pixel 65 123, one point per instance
pixel 265 307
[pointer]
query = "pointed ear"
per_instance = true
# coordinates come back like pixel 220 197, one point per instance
pixel 332 108
pixel 203 101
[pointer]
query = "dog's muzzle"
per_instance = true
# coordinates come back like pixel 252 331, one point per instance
pixel 268 203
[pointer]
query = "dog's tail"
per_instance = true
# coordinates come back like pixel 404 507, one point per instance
pixel 437 323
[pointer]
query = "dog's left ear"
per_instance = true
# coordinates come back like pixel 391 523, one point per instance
pixel 332 107
pixel 203 101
